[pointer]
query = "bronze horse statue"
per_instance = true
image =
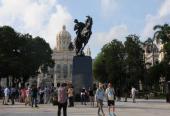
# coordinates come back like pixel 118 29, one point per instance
pixel 83 31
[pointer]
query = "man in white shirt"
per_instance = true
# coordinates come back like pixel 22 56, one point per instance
pixel 133 93
pixel 6 94
pixel 110 95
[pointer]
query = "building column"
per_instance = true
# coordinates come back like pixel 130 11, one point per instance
pixel 140 85
pixel 61 71
pixel 55 80
pixel 3 82
pixel 68 71
pixel 38 81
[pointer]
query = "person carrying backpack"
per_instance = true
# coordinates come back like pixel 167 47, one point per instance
pixel 110 95
pixel 62 100
pixel 99 98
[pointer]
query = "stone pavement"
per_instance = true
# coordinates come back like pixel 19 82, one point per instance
pixel 141 108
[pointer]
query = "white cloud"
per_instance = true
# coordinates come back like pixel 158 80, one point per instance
pixel 108 7
pixel 162 16
pixel 38 17
pixel 165 9
pixel 151 21
pixel 101 38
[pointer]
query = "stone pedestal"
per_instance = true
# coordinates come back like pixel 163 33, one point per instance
pixel 82 73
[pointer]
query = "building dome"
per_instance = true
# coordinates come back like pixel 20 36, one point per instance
pixel 63 39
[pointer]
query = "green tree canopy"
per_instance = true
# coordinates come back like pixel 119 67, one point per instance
pixel 162 33
pixel 135 59
pixel 21 55
pixel 109 64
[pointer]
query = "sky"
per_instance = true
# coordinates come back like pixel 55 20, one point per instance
pixel 112 19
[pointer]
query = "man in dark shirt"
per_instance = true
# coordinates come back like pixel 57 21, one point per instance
pixel 13 94
pixel 34 93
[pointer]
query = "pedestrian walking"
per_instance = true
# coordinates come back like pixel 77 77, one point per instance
pixel 99 98
pixel 91 96
pixel 28 96
pixel 41 94
pixel 133 93
pixel 34 92
pixel 125 94
pixel 6 95
pixel 71 96
pixel 110 95
pixel 118 94
pixel 62 99
pixel 23 94
pixel 46 95
pixel 13 94
pixel 83 96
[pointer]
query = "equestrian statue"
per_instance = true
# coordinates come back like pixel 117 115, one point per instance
pixel 83 33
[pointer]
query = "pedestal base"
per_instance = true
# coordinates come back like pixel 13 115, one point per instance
pixel 82 73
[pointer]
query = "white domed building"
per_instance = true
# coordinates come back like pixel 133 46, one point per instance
pixel 63 40
pixel 63 57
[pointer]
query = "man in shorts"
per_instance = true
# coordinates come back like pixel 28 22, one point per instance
pixel 110 95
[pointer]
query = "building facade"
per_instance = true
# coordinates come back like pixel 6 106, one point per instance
pixel 63 57
pixel 153 53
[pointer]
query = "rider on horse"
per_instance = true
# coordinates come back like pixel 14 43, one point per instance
pixel 83 31
pixel 78 27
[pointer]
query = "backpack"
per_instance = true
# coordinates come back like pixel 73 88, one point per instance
pixel 110 94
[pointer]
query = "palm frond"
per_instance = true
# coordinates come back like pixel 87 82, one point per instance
pixel 157 27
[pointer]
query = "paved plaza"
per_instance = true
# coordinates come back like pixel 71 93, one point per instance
pixel 141 108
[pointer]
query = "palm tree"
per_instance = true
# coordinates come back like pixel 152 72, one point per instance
pixel 162 33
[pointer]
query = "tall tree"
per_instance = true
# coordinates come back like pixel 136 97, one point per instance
pixel 166 61
pixel 109 64
pixel 8 51
pixel 135 59
pixel 162 33
pixel 21 55
pixel 99 68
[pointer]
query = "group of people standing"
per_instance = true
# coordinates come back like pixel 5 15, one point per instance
pixel 8 93
pixel 30 95
pixel 64 93
pixel 25 95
